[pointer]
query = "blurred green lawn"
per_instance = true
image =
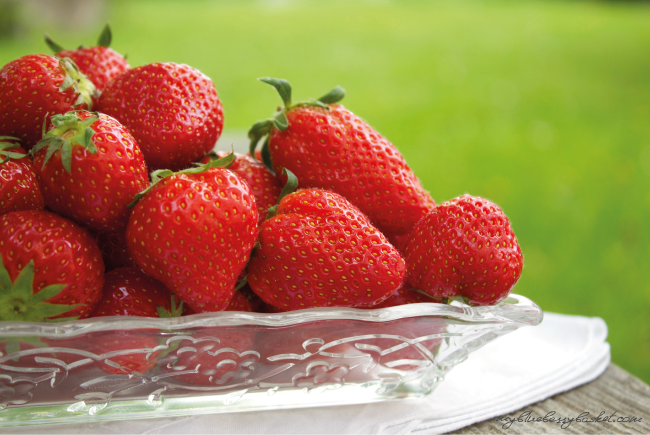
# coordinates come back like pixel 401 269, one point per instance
pixel 541 106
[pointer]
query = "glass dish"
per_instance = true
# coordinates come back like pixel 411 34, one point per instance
pixel 112 368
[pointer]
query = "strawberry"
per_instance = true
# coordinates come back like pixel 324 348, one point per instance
pixel 90 168
pixel 13 345
pixel 405 296
pixel 50 269
pixel 222 355
pixel 194 230
pixel 327 146
pixel 239 302
pixel 100 64
pixel 266 187
pixel 386 342
pixel 36 86
pixel 172 110
pixel 464 247
pixel 321 251
pixel 131 292
pixel 123 351
pixel 114 251
pixel 18 187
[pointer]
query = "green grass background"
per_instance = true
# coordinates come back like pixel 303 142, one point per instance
pixel 541 106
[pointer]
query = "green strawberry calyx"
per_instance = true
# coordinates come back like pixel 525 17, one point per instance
pixel 13 344
pixel 106 37
pixel 5 154
pixel 176 311
pixel 69 130
pixel 19 303
pixel 458 298
pixel 289 187
pixel 161 174
pixel 263 128
pixel 75 79
pixel 104 40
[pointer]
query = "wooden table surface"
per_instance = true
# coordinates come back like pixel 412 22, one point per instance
pixel 615 391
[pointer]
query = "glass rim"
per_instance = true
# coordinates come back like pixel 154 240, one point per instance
pixel 515 309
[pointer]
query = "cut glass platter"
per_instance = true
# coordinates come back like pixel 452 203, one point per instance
pixel 112 368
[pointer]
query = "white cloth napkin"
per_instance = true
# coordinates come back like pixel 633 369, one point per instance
pixel 519 369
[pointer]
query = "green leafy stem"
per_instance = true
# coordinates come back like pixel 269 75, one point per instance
pixel 6 146
pixel 279 120
pixel 161 174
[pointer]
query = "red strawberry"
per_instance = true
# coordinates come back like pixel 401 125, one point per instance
pixel 222 355
pixel 100 64
pixel 114 250
pixel 256 303
pixel 399 240
pixel 239 302
pixel 464 247
pixel 123 351
pixel 385 342
pixel 141 360
pixel 172 110
pixel 50 269
pixel 405 296
pixel 327 146
pixel 90 168
pixel 13 345
pixel 18 186
pixel 265 186
pixel 131 292
pixel 35 86
pixel 320 251
pixel 194 231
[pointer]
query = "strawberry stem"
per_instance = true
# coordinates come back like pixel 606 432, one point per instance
pixel 266 156
pixel 83 87
pixel 6 146
pixel 282 86
pixel 333 96
pixel 290 187
pixel 69 129
pixel 242 283
pixel 263 128
pixel 160 174
pixel 105 37
pixel 176 311
pixel 257 132
pixel 53 45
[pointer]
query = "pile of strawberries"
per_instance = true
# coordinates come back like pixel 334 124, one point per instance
pixel 112 202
